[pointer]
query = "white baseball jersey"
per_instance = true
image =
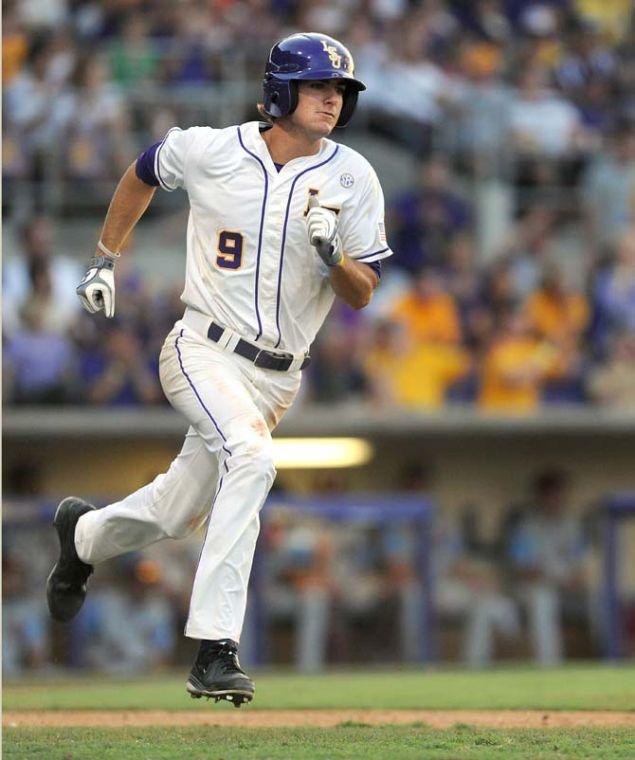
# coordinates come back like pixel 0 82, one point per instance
pixel 249 262
pixel 250 267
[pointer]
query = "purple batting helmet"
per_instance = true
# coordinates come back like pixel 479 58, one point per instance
pixel 303 57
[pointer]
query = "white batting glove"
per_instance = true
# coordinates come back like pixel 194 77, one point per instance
pixel 321 224
pixel 97 290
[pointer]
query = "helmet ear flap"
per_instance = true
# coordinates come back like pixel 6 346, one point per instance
pixel 280 97
pixel 293 96
pixel 350 101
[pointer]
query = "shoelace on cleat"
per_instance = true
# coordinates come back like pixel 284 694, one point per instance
pixel 227 656
pixel 229 661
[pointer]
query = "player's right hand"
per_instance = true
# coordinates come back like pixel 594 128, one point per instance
pixel 321 226
pixel 97 290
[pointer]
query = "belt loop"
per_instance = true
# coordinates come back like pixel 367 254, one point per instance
pixel 225 339
pixel 296 363
pixel 232 340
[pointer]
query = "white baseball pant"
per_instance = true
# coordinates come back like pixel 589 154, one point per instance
pixel 224 470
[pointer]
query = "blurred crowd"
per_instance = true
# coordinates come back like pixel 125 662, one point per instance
pixel 507 338
pixel 513 280
pixel 342 592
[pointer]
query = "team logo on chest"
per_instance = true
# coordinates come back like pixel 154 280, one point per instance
pixel 313 191
pixel 347 180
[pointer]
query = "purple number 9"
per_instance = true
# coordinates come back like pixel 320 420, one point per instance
pixel 230 250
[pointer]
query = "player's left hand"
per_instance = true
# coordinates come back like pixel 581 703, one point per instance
pixel 97 289
pixel 321 225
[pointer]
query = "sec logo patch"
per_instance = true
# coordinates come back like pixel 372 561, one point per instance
pixel 347 180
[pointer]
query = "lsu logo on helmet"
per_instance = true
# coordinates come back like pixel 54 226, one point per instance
pixel 334 56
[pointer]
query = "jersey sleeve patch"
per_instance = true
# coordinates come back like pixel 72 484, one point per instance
pixel 362 230
pixel 144 167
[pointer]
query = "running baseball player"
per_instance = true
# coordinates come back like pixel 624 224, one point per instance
pixel 282 219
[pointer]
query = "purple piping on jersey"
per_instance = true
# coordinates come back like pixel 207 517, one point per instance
pixel 187 377
pixel 368 255
pixel 157 162
pixel 284 235
pixel 262 221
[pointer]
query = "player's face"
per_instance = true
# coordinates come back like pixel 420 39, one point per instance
pixel 319 106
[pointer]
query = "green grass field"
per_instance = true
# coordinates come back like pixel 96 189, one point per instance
pixel 370 743
pixel 573 688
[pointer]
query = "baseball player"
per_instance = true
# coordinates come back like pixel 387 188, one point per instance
pixel 281 220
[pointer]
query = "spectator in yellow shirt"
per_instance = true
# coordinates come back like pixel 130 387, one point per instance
pixel 612 18
pixel 555 313
pixel 411 374
pixel 428 312
pixel 516 367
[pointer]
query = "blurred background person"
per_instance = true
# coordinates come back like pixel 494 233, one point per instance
pixel 409 373
pixel 428 312
pixel 517 366
pixel 128 625
pixel 560 316
pixel 41 366
pixel 612 383
pixel 34 269
pixel 120 372
pixel 608 184
pixel 614 291
pixel 338 374
pixel 25 635
pixel 301 587
pixel 546 132
pixel 424 217
pixel 546 550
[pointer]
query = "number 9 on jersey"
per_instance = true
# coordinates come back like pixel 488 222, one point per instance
pixel 230 250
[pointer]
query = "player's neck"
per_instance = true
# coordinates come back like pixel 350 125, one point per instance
pixel 285 142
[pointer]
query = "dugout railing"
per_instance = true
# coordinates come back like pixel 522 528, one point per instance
pixel 32 517
pixel 371 510
pixel 26 515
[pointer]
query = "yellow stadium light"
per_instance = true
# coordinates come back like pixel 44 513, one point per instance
pixel 316 453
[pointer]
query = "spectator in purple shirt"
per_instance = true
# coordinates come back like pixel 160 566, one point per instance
pixel 614 292
pixel 426 216
pixel 121 375
pixel 40 363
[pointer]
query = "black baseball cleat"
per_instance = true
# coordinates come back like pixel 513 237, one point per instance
pixel 66 585
pixel 217 673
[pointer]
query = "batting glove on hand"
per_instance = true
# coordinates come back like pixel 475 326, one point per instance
pixel 321 225
pixel 97 290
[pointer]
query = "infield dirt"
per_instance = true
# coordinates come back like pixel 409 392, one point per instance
pixel 246 717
